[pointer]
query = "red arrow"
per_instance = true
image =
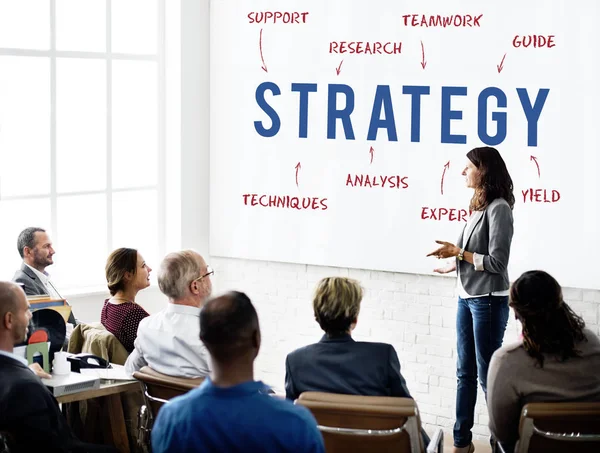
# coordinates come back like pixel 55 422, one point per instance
pixel 371 151
pixel 446 167
pixel 423 62
pixel 264 66
pixel 501 65
pixel 298 167
pixel 533 158
pixel 339 68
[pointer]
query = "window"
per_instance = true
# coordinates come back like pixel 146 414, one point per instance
pixel 82 132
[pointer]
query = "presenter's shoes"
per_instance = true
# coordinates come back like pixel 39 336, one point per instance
pixel 468 449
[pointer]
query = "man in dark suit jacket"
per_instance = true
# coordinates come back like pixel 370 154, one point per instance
pixel 35 247
pixel 337 363
pixel 31 284
pixel 28 411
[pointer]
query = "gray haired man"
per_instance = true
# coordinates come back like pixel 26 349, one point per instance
pixel 169 341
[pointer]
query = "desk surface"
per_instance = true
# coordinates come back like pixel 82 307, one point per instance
pixel 104 390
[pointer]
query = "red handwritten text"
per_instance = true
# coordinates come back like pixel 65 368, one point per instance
pixel 367 48
pixel 450 214
pixel 275 17
pixel 457 20
pixel 540 196
pixel 536 41
pixel 285 201
pixel 386 182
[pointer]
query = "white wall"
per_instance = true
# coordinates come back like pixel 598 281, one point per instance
pixel 415 313
pixel 194 124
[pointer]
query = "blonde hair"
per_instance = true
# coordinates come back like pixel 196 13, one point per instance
pixel 336 304
pixel 177 271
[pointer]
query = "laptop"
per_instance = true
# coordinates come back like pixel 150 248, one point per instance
pixel 71 383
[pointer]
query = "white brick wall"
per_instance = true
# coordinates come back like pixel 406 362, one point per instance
pixel 415 313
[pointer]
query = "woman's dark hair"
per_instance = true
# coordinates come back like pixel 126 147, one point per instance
pixel 549 324
pixel 495 181
pixel 118 263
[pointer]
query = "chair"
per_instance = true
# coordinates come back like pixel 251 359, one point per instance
pixel 6 442
pixel 93 338
pixel 369 423
pixel 559 427
pixel 158 389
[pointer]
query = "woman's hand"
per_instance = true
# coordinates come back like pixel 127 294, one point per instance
pixel 447 250
pixel 451 267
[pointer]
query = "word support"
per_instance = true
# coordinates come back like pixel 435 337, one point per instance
pixel 277 17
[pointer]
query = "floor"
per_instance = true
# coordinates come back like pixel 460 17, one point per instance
pixel 480 445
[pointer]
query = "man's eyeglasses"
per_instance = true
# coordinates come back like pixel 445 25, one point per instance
pixel 209 271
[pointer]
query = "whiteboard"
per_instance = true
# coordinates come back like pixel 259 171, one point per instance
pixel 339 129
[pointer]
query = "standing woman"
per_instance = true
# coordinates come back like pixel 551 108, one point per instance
pixel 482 254
pixel 126 274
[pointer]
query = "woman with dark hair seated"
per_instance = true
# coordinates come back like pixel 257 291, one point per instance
pixel 557 360
pixel 126 274
pixel 337 363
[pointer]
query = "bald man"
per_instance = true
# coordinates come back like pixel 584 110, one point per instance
pixel 231 411
pixel 28 411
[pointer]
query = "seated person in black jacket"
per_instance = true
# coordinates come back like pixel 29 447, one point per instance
pixel 28 411
pixel 337 363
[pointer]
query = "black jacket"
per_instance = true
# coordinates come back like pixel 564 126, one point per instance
pixel 30 283
pixel 32 286
pixel 30 413
pixel 342 365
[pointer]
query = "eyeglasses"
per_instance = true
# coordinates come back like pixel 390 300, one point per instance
pixel 209 271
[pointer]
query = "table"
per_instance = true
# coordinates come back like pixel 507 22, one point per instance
pixel 106 389
pixel 110 392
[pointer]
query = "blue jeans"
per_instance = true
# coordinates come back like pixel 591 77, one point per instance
pixel 480 326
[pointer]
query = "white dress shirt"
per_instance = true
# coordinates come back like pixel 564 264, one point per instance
pixel 169 342
pixel 14 356
pixel 45 279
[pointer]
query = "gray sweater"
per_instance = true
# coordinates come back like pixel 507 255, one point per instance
pixel 515 379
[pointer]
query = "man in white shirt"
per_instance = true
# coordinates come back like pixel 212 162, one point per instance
pixel 35 247
pixel 169 341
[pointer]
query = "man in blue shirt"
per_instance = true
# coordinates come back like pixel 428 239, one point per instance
pixel 230 411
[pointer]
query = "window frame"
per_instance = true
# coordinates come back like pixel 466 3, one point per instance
pixel 108 57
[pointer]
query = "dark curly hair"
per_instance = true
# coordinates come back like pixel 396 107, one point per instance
pixel 549 324
pixel 494 181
